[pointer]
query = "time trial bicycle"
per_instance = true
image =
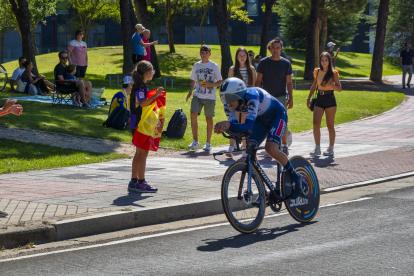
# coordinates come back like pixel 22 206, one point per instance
pixel 243 183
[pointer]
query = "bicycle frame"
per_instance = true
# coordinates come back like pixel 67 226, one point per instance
pixel 251 161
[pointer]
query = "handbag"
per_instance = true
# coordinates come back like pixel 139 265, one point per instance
pixel 315 94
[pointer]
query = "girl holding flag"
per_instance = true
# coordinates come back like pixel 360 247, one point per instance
pixel 144 104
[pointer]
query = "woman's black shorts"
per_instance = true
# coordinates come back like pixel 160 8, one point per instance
pixel 325 101
pixel 81 71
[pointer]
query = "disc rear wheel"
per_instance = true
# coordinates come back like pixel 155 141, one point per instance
pixel 305 207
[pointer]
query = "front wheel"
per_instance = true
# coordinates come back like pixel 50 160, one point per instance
pixel 305 207
pixel 237 201
pixel 3 78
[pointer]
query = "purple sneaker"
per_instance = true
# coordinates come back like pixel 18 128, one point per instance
pixel 145 188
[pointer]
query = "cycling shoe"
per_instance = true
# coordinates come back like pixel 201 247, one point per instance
pixel 297 180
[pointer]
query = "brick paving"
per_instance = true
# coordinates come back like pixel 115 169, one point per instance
pixel 367 149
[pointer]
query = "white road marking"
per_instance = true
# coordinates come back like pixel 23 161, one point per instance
pixel 159 234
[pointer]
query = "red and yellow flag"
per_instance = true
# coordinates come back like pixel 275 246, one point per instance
pixel 148 132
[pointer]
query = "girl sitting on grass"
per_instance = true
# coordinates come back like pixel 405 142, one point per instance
pixel 143 73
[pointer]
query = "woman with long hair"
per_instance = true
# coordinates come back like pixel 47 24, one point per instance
pixel 38 81
pixel 243 70
pixel 326 81
pixel 143 73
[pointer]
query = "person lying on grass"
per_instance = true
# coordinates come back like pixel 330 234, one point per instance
pixel 10 106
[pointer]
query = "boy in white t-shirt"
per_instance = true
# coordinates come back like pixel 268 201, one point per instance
pixel 205 77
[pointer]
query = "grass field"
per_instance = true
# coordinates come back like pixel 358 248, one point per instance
pixel 19 156
pixel 352 105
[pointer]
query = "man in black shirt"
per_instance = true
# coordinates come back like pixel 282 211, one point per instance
pixel 60 74
pixel 406 63
pixel 276 74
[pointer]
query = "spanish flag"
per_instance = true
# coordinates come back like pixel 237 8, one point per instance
pixel 148 133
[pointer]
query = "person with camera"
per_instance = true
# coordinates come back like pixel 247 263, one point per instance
pixel 325 83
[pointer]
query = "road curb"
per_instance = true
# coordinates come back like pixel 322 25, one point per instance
pixel 20 236
pixel 121 220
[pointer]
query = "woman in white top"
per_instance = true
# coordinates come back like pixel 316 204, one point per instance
pixel 243 70
pixel 78 54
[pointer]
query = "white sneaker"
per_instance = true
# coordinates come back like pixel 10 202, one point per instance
pixel 329 151
pixel 243 152
pixel 207 146
pixel 194 145
pixel 230 155
pixel 316 151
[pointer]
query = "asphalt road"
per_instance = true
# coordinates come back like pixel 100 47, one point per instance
pixel 373 236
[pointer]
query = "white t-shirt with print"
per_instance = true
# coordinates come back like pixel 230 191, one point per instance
pixel 209 72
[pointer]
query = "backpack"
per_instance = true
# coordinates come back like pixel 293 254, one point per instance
pixel 177 125
pixel 118 118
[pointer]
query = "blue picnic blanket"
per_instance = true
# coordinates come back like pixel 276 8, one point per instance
pixel 48 99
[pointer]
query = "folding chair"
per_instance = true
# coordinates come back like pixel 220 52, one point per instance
pixel 64 93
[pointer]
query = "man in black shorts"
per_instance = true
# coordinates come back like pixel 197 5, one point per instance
pixel 60 74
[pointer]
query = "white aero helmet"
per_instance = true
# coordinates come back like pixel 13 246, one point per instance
pixel 232 89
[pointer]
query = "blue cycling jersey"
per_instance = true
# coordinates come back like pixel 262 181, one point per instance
pixel 259 105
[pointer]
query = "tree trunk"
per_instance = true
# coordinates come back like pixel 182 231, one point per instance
pixel 202 21
pixel 324 33
pixel 34 42
pixel 126 23
pixel 317 43
pixel 169 20
pixel 377 57
pixel 170 36
pixel 220 13
pixel 266 26
pixel 141 9
pixel 2 48
pixel 310 40
pixel 21 11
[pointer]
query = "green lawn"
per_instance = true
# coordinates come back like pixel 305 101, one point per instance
pixel 19 156
pixel 108 60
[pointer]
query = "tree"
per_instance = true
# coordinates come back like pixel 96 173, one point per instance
pixel 38 10
pixel 268 9
pixel 171 10
pixel 90 10
pixel 7 22
pixel 221 15
pixel 204 6
pixel 21 11
pixel 400 26
pixel 310 40
pixel 377 57
pixel 328 9
pixel 294 28
pixel 127 21
pixel 141 9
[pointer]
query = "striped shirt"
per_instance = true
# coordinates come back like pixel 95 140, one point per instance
pixel 245 76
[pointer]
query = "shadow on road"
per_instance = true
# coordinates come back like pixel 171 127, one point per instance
pixel 242 240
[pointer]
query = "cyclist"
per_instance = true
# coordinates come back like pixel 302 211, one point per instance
pixel 266 116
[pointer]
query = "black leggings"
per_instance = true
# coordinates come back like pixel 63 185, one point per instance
pixel 42 85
